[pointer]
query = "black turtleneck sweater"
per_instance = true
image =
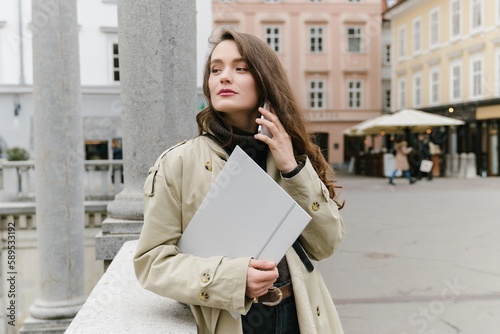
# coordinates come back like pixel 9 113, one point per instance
pixel 229 138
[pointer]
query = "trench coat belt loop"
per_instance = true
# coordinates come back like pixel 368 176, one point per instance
pixel 275 295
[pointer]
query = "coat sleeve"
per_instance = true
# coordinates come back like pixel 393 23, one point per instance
pixel 217 282
pixel 325 230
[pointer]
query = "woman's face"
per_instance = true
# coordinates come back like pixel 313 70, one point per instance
pixel 232 87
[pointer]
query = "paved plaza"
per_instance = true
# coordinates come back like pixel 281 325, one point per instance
pixel 422 258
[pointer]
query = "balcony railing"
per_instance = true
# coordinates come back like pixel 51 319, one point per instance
pixel 103 179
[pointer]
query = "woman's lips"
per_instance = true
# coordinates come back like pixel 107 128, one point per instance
pixel 226 92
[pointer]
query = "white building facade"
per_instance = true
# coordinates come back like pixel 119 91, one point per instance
pixel 99 67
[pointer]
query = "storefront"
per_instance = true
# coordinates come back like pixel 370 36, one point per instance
pixel 487 127
pixel 480 134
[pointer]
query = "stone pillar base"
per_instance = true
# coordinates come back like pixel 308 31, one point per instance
pixel 50 310
pixel 38 326
pixel 128 204
pixel 115 232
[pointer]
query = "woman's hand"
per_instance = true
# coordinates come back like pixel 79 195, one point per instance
pixel 260 277
pixel 280 144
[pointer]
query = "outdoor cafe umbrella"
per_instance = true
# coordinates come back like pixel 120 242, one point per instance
pixel 363 128
pixel 408 120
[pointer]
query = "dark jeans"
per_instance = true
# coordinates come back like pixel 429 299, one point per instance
pixel 279 319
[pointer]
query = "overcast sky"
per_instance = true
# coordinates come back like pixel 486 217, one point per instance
pixel 204 29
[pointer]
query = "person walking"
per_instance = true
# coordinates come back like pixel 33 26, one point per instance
pixel 424 154
pixel 243 295
pixel 401 159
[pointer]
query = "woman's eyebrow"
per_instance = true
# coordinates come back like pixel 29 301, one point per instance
pixel 235 60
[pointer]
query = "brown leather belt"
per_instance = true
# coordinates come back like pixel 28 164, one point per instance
pixel 275 295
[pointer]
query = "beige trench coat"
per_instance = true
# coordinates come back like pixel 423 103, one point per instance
pixel 212 287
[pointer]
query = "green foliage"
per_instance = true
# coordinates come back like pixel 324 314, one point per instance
pixel 17 154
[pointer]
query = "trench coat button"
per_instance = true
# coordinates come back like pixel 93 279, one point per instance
pixel 315 206
pixel 205 277
pixel 203 296
pixel 208 166
pixel 318 312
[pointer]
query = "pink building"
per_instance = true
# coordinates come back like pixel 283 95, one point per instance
pixel 332 52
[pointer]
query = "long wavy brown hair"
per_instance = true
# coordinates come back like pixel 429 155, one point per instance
pixel 273 86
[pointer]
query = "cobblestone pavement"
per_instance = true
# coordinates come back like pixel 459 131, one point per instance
pixel 421 258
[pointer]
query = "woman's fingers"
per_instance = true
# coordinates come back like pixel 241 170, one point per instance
pixel 262 264
pixel 260 277
pixel 271 118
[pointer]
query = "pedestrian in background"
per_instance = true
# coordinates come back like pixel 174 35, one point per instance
pixel 243 295
pixel 402 151
pixel 424 154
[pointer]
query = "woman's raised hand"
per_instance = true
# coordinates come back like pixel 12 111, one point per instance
pixel 280 144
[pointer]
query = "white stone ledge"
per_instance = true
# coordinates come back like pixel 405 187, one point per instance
pixel 118 304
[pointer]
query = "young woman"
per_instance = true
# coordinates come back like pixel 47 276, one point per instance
pixel 242 74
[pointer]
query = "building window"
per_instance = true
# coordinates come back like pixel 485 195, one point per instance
pixel 117 148
pixel 96 150
pixel 316 39
pixel 434 86
pixel 316 1
pixel 272 1
pixel 354 1
pixel 354 39
pixel 402 93
pixel 476 14
pixel 354 94
pixel 388 99
pixel 434 28
pixel 226 0
pixel 402 42
pixel 456 18
pixel 417 36
pixel 456 81
pixel 273 37
pixel 387 54
pixel 116 63
pixel 317 94
pixel 417 90
pixel 476 77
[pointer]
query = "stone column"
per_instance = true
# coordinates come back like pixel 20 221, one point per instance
pixel 157 46
pixel 452 156
pixel 453 139
pixel 497 154
pixel 58 165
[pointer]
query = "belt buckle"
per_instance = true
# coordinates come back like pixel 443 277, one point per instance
pixel 280 297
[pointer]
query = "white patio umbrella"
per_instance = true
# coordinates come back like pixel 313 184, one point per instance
pixel 363 128
pixel 410 120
